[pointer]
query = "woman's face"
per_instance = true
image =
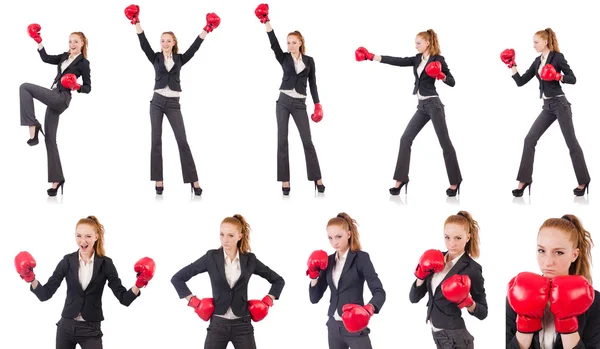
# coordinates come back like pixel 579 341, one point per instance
pixel 421 45
pixel 555 252
pixel 75 43
pixel 230 235
pixel 338 238
pixel 456 238
pixel 85 236
pixel 539 44
pixel 293 44
pixel 167 42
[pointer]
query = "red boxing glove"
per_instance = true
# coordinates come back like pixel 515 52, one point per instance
pixel 508 57
pixel 69 81
pixel 316 262
pixel 34 32
pixel 432 261
pixel 528 295
pixel 549 73
pixel 434 69
pixel 144 268
pixel 212 22
pixel 259 309
pixel 262 13
pixel 361 54
pixel 318 114
pixel 132 12
pixel 24 263
pixel 570 296
pixel 204 308
pixel 457 290
pixel 356 317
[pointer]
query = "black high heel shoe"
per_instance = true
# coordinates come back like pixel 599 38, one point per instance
pixel 54 191
pixel 196 191
pixel 452 192
pixel 285 190
pixel 159 190
pixel 396 190
pixel 35 140
pixel 519 192
pixel 319 187
pixel 582 191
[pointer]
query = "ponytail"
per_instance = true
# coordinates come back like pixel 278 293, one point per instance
pixel 243 227
pixel 301 38
pixel 550 36
pixel 95 223
pixel 465 219
pixel 434 44
pixel 345 222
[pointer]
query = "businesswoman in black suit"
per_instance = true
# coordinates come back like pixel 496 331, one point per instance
pixel 86 271
pixel 453 280
pixel 550 68
pixel 298 69
pixel 70 65
pixel 229 268
pixel 165 101
pixel 558 309
pixel 345 272
pixel 430 107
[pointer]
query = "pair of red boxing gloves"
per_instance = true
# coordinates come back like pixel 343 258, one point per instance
pixel 132 12
pixel 433 69
pixel 569 296
pixel 259 309
pixel 355 317
pixel 548 72
pixel 145 268
pixel 456 288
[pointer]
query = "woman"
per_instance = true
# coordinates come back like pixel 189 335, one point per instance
pixel 71 65
pixel 345 272
pixel 165 101
pixel 298 68
pixel 550 68
pixel 461 280
pixel 429 107
pixel 86 271
pixel 230 268
pixel 558 309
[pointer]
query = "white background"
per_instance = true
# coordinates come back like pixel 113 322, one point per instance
pixel 228 104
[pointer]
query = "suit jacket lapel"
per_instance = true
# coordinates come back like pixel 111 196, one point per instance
pixel 243 266
pixel 220 262
pixel 74 260
pixel 349 258
pixel 429 60
pixel 96 268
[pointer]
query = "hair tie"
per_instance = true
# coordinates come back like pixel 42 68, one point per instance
pixel 235 216
pixel 567 218
pixel 461 214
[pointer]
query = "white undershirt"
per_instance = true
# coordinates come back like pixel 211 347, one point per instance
pixel 232 274
pixel 548 333
pixel 85 276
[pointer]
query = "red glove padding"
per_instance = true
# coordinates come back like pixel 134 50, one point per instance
pixel 316 262
pixel 457 290
pixel 70 81
pixel 132 12
pixel 262 13
pixel 24 263
pixel 212 22
pixel 570 296
pixel 432 261
pixel 356 317
pixel 259 309
pixel 528 295
pixel 361 54
pixel 204 308
pixel 434 69
pixel 34 32
pixel 318 114
pixel 145 269
pixel 549 73
pixel 508 57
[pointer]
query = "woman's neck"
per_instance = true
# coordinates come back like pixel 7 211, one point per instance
pixel 231 253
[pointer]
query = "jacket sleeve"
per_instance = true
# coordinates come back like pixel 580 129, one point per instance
pixel 272 277
pixel 125 296
pixel 50 59
pixel 417 292
pixel 187 55
pixel 478 294
pixel 368 271
pixel 146 47
pixel 591 332
pixel 315 293
pixel 85 76
pixel 398 61
pixel 45 292
pixel 275 46
pixel 186 273
pixel 529 74
pixel 563 66
pixel 449 78
pixel 312 82
pixel 511 328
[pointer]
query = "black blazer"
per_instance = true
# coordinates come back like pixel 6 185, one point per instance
pixel 357 269
pixel 163 77
pixel 88 302
pixel 290 79
pixel 550 88
pixel 589 328
pixel 80 67
pixel 225 296
pixel 443 313
pixel 424 83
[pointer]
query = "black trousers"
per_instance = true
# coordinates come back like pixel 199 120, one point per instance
pixel 71 332
pixel 453 339
pixel 221 331
pixel 340 338
pixel 428 109
pixel 57 102
pixel 285 106
pixel 169 106
pixel 557 108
